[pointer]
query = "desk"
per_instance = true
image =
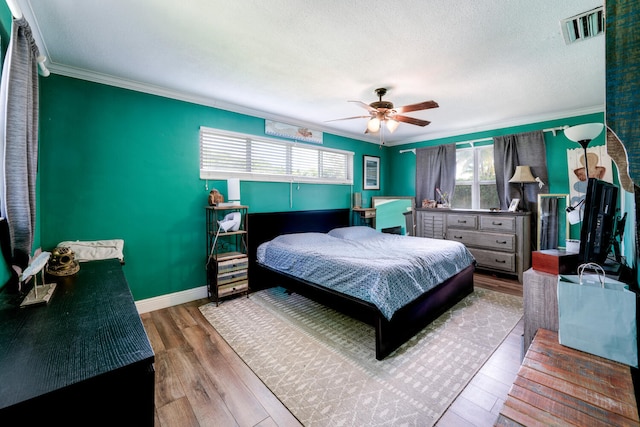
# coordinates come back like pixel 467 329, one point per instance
pixel 557 385
pixel 82 359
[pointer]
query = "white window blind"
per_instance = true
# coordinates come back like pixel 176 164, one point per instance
pixel 225 154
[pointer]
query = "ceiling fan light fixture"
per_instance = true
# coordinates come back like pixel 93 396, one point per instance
pixel 384 111
pixel 374 125
pixel 392 125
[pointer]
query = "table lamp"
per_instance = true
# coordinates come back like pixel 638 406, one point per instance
pixel 522 176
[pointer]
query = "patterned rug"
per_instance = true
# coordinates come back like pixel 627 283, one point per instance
pixel 321 364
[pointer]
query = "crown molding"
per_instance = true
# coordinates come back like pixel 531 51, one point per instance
pixel 109 80
pixel 503 124
pixel 210 102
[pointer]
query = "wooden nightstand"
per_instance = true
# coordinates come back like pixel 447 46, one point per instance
pixel 365 216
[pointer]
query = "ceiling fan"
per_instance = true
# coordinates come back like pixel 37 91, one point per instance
pixel 383 111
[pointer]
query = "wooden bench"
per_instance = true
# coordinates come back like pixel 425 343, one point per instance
pixel 557 385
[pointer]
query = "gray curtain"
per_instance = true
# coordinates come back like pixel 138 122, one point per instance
pixel 19 139
pixel 549 223
pixel 435 168
pixel 520 149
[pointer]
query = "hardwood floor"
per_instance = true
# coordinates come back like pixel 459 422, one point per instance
pixel 200 381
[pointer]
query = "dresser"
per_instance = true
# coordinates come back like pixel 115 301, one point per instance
pixel 499 241
pixel 82 359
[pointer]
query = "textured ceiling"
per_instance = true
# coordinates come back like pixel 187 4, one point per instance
pixel 488 64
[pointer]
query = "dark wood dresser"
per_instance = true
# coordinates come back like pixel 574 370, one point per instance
pixel 82 359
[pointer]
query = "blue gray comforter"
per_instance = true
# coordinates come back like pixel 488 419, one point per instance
pixel 387 270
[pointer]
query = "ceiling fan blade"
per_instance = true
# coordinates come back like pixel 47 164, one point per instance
pixel 348 118
pixel 411 120
pixel 365 106
pixel 419 106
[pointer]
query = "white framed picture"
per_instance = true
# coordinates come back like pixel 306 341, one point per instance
pixel 514 205
pixel 371 173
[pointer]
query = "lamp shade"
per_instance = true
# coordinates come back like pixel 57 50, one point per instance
pixel 586 132
pixel 522 175
pixel 357 200
pixel 233 189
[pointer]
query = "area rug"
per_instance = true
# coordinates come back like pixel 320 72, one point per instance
pixel 321 364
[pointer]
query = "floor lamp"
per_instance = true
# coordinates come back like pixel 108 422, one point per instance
pixel 583 135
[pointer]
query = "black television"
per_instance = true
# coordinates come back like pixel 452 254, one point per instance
pixel 598 222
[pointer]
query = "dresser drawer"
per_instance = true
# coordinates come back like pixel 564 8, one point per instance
pixel 233 288
pixel 233 276
pixel 502 242
pixel 495 260
pixel 233 265
pixel 497 223
pixel 462 221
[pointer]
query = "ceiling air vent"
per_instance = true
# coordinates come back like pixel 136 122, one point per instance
pixel 583 26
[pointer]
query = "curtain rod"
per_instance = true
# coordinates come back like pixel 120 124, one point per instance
pixel 17 14
pixel 473 141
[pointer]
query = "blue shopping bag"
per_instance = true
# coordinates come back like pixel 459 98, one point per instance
pixel 598 315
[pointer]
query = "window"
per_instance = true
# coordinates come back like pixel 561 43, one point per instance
pixel 226 154
pixel 475 179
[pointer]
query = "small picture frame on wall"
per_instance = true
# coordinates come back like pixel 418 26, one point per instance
pixel 513 207
pixel 371 172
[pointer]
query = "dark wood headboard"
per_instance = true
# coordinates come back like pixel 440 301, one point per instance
pixel 265 226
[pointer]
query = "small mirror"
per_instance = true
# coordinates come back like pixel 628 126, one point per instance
pixel 390 214
pixel 553 221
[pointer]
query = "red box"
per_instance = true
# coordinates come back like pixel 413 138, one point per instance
pixel 555 261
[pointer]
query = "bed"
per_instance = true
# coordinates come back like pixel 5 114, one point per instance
pixel 391 293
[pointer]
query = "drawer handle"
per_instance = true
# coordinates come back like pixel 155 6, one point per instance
pixel 501 261
pixel 457 237
pixel 461 221
pixel 501 243
pixel 496 223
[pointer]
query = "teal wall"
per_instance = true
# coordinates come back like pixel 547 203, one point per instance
pixel 116 163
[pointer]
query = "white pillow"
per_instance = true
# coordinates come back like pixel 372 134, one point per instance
pixel 304 239
pixel 96 250
pixel 356 232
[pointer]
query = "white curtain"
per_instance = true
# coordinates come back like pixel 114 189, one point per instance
pixel 19 140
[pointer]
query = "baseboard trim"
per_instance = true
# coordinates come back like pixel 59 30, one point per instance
pixel 169 300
